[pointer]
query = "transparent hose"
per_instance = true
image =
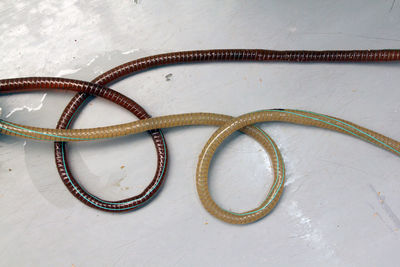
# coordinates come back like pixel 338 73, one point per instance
pixel 228 125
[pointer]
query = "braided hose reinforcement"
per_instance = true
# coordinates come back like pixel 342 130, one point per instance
pixel 228 126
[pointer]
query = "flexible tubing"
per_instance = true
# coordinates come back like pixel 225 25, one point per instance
pixel 229 125
pixel 115 74
pixel 212 55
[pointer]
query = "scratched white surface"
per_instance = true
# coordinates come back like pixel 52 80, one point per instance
pixel 341 204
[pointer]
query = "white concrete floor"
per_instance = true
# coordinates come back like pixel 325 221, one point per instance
pixel 341 204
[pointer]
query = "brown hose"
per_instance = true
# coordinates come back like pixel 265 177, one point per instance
pixel 145 63
pixel 29 84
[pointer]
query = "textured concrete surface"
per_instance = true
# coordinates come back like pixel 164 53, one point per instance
pixel 341 205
